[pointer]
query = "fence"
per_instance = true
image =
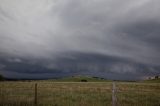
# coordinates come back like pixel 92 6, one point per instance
pixel 55 94
pixel 78 94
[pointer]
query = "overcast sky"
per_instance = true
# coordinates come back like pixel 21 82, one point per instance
pixel 114 39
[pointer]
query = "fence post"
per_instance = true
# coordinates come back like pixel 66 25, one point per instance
pixel 35 95
pixel 114 98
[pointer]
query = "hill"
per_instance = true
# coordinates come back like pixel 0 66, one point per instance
pixel 153 80
pixel 80 79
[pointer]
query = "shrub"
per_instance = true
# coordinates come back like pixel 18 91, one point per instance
pixel 83 80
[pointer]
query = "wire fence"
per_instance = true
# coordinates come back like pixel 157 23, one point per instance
pixel 78 94
pixel 55 94
pixel 138 94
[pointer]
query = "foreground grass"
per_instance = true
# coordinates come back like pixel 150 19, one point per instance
pixel 79 93
pixel 55 94
pixel 138 94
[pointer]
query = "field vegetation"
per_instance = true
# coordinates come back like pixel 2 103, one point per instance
pixel 138 94
pixel 74 91
pixel 56 94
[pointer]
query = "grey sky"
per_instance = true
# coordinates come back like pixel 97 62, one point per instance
pixel 118 37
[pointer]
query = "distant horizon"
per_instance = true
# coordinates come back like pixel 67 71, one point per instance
pixel 76 76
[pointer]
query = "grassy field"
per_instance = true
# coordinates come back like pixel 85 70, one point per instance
pixel 56 94
pixel 138 94
pixel 52 93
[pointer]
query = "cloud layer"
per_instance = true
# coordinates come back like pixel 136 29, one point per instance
pixel 109 38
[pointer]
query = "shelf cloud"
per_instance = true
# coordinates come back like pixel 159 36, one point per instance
pixel 108 38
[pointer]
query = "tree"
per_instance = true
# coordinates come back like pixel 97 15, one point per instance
pixel 156 77
pixel 1 78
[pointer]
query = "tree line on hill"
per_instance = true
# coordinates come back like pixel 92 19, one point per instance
pixel 155 77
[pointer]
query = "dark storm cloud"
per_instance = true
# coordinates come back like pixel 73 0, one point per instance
pixel 109 38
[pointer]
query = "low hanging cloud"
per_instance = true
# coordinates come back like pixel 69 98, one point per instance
pixel 108 38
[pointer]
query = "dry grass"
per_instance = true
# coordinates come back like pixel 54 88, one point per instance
pixel 79 94
pixel 138 94
pixel 56 94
